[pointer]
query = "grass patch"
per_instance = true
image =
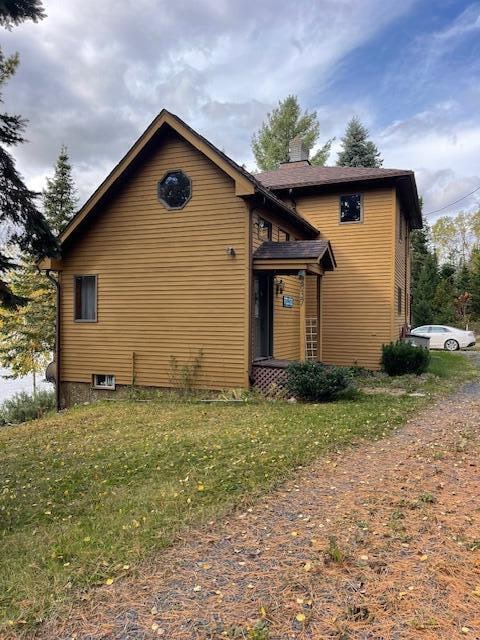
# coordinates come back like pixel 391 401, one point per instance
pixel 87 494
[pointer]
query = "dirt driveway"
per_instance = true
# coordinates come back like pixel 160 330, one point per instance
pixel 377 542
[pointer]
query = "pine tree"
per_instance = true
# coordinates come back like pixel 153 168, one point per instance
pixel 475 281
pixel 463 279
pixel 445 296
pixel 59 197
pixel 423 267
pixel 285 122
pixel 423 305
pixel 29 231
pixel 27 334
pixel 357 149
pixel 13 12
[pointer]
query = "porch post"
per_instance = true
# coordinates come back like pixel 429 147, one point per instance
pixel 303 316
pixel 319 316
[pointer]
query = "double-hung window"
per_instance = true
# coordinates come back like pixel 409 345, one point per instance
pixel 85 298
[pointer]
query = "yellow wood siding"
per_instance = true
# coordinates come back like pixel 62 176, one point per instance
pixel 358 297
pixel 166 286
pixel 402 272
pixel 286 321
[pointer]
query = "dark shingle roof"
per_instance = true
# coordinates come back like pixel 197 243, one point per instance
pixel 302 174
pixel 296 250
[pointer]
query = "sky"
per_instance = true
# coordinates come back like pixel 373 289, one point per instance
pixel 94 74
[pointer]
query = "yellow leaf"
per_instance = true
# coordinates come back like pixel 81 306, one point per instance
pixel 300 617
pixel 200 487
pixel 109 581
pixel 423 558
pixel 307 566
pixel 476 591
pixel 197 588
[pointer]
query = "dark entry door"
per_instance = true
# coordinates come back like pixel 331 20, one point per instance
pixel 263 316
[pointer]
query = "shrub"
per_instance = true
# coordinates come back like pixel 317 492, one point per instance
pixel 23 406
pixel 314 381
pixel 183 377
pixel 400 358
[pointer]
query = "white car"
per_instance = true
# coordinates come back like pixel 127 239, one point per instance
pixel 444 337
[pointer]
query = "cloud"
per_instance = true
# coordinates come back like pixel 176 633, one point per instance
pixel 94 74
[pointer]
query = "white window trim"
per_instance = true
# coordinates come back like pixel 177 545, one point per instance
pixel 103 387
pixel 343 195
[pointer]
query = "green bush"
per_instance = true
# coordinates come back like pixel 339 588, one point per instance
pixel 23 406
pixel 400 358
pixel 314 381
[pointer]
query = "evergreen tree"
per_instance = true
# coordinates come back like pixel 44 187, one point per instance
pixel 424 267
pixel 357 149
pixel 423 306
pixel 29 231
pixel 475 281
pixel 445 296
pixel 59 197
pixel 285 122
pixel 13 12
pixel 463 279
pixel 27 334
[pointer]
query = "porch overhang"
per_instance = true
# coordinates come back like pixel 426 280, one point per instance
pixel 287 267
pixel 289 258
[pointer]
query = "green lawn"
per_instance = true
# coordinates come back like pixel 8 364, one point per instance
pixel 85 495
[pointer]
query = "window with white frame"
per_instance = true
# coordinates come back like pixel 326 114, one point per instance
pixel 103 381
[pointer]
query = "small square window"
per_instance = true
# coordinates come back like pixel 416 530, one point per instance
pixel 85 298
pixel 351 208
pixel 283 236
pixel 264 229
pixel 103 381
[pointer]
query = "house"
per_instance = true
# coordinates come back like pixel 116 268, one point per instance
pixel 181 250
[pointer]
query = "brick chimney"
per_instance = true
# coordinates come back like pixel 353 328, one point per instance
pixel 297 150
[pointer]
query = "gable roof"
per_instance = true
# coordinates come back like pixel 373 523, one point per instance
pixel 318 250
pixel 245 183
pixel 295 175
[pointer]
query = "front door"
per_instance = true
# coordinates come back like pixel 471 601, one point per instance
pixel 263 316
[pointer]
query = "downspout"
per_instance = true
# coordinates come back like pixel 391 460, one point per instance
pixel 57 337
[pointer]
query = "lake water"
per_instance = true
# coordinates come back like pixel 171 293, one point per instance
pixel 9 387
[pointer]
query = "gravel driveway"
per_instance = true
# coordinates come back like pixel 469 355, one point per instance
pixel 381 541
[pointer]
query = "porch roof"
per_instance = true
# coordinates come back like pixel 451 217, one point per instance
pixel 314 256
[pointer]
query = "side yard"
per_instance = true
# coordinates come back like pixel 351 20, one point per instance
pixel 86 495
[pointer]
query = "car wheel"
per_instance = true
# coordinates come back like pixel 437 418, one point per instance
pixel 452 345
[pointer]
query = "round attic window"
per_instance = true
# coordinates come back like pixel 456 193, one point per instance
pixel 174 189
